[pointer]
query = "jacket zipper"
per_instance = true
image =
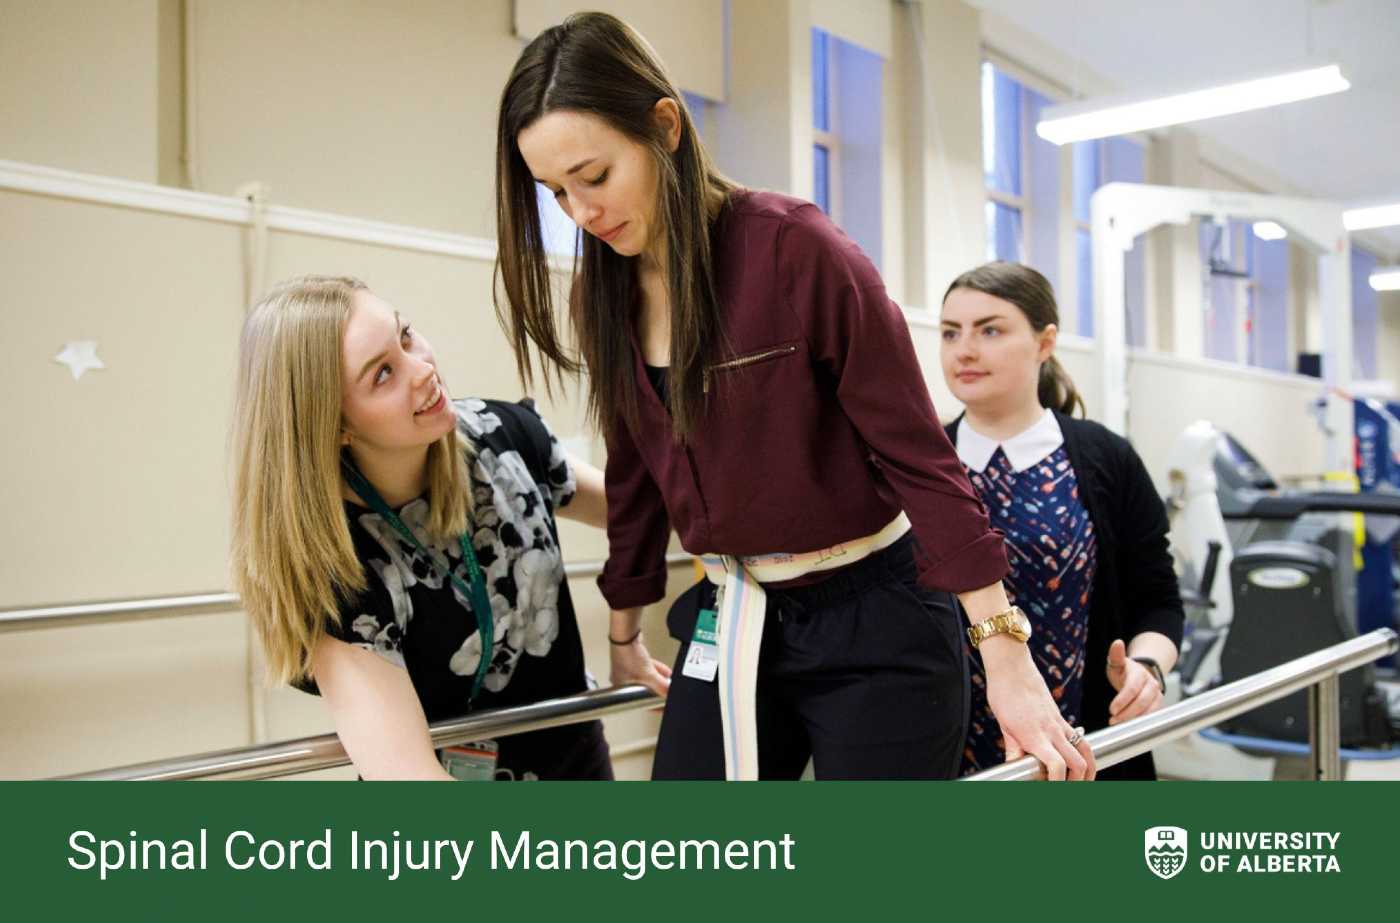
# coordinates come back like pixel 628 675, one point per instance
pixel 741 361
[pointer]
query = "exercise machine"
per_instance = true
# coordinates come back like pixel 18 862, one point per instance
pixel 1269 576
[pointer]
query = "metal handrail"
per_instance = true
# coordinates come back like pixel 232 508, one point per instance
pixel 290 757
pixel 126 610
pixel 136 610
pixel 1317 671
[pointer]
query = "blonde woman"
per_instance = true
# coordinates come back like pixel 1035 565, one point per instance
pixel 382 531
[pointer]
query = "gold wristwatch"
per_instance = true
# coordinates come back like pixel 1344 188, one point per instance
pixel 1012 622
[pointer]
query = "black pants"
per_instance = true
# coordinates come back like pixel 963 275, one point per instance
pixel 862 672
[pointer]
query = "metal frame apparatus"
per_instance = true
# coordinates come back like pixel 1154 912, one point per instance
pixel 1316 672
pixel 1119 212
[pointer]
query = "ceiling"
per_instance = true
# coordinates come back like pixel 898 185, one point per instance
pixel 1344 147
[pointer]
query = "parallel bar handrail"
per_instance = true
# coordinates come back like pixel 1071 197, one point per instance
pixel 290 757
pixel 1111 745
pixel 128 610
pixel 1114 745
pixel 135 610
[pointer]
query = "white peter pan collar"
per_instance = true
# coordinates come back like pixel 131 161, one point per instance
pixel 1023 450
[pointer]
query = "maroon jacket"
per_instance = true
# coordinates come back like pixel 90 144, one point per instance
pixel 818 431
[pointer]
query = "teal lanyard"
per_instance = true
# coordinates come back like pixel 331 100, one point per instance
pixel 481 600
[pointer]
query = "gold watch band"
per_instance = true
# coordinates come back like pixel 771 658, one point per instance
pixel 1011 622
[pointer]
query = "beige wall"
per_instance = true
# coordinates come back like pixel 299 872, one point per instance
pixel 355 108
pixel 107 454
pixel 763 134
pixel 943 220
pixel 867 23
pixel 78 85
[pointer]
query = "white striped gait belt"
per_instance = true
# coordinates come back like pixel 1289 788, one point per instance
pixel 740 610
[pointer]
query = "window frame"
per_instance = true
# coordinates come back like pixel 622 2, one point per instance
pixel 830 137
pixel 1020 203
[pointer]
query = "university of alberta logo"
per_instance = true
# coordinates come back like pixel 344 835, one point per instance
pixel 1165 850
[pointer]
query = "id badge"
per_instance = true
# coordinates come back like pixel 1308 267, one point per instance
pixel 471 762
pixel 702 660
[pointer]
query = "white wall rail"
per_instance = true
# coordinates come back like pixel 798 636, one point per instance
pixel 136 610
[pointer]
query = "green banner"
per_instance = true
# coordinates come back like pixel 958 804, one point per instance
pixel 815 851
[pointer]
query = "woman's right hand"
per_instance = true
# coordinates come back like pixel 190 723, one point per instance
pixel 633 663
pixel 1029 718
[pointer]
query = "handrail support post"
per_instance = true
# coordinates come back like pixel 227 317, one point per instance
pixel 1325 729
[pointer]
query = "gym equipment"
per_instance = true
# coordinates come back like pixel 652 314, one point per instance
pixel 1378 472
pixel 1289 587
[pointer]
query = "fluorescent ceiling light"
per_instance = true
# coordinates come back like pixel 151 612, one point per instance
pixel 1269 230
pixel 1386 280
pixel 1120 115
pixel 1362 219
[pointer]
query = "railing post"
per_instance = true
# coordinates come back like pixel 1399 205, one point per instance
pixel 1325 729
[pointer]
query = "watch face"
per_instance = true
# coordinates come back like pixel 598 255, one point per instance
pixel 1020 625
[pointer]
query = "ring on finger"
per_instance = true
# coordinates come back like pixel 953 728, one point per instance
pixel 1074 737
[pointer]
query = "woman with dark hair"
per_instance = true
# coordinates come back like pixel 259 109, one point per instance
pixel 1086 532
pixel 760 395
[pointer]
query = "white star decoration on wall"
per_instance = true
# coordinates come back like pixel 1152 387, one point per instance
pixel 79 356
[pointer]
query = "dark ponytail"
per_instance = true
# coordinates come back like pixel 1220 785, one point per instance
pixel 1032 293
pixel 1056 389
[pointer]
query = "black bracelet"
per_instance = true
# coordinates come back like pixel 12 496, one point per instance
pixel 1155 669
pixel 627 642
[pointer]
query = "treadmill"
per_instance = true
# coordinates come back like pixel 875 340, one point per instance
pixel 1293 591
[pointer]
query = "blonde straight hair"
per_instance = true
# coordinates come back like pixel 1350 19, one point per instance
pixel 293 559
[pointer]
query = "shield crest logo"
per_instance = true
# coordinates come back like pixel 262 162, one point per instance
pixel 1165 850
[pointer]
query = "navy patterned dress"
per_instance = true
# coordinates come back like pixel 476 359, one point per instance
pixel 1052 550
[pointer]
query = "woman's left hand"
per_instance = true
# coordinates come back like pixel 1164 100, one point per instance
pixel 1138 690
pixel 633 663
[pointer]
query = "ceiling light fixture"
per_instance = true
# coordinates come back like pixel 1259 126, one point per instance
pixel 1103 118
pixel 1269 230
pixel 1386 280
pixel 1363 219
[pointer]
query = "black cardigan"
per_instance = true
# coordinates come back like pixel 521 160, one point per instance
pixel 1135 586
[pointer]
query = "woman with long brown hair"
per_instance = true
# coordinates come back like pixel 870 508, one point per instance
pixel 1084 526
pixel 759 394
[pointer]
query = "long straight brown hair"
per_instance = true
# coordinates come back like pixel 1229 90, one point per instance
pixel 596 64
pixel 1035 296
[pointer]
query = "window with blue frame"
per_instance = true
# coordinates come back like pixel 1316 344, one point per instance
pixel 1364 303
pixel 1095 163
pixel 1245 296
pixel 823 140
pixel 698 107
pixel 1225 270
pixel 1002 126
pixel 1021 172
pixel 561 235
pixel 1268 304
pixel 847 131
